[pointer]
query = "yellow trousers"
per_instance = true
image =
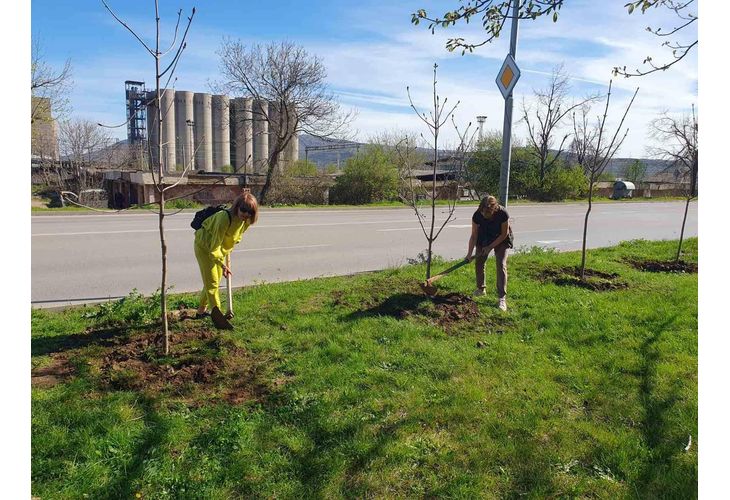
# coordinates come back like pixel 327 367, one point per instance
pixel 211 272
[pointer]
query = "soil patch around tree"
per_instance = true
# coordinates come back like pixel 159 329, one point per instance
pixel 58 371
pixel 446 310
pixel 662 266
pixel 597 281
pixel 202 366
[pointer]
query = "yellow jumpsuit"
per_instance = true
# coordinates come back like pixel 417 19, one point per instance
pixel 213 243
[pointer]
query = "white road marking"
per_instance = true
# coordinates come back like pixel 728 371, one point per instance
pixel 110 232
pixel 279 248
pixel 349 223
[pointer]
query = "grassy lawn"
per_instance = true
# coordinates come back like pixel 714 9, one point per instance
pixel 361 387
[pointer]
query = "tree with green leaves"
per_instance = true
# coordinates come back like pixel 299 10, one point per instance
pixel 635 171
pixel 368 177
pixel 493 15
pixel 686 17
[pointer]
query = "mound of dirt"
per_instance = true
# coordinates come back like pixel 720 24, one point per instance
pixel 201 366
pixel 446 310
pixel 597 281
pixel 661 266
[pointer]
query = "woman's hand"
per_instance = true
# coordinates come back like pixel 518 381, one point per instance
pixel 226 271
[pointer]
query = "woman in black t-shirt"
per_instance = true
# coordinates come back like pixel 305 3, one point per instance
pixel 490 231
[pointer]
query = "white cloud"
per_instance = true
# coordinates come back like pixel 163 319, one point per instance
pixel 371 75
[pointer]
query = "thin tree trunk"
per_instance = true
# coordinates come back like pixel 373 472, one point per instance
pixel 161 188
pixel 163 285
pixel 433 179
pixel 585 231
pixel 267 184
pixel 681 234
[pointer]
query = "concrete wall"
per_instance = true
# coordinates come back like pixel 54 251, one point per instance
pixel 203 133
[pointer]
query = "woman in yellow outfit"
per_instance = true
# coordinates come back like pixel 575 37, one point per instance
pixel 213 244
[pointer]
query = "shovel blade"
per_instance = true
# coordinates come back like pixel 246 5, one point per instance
pixel 428 289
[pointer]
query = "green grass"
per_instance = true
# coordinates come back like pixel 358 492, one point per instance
pixel 572 393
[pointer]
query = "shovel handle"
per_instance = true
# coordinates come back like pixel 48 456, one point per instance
pixel 228 286
pixel 447 271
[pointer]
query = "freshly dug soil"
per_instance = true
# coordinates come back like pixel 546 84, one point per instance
pixel 597 281
pixel 451 309
pixel 202 366
pixel 661 266
pixel 446 311
pixel 58 371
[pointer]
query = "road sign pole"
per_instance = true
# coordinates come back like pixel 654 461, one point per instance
pixel 507 127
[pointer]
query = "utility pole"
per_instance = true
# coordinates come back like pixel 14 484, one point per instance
pixel 507 127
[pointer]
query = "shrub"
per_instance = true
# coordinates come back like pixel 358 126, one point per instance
pixel 367 177
pixel 563 183
pixel 181 203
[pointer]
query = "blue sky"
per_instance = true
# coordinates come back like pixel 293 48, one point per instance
pixel 372 52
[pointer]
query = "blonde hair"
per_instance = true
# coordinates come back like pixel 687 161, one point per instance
pixel 488 205
pixel 246 202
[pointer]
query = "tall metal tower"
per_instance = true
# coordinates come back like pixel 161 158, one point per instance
pixel 136 96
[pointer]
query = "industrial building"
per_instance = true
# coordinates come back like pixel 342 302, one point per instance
pixel 205 132
pixel 43 130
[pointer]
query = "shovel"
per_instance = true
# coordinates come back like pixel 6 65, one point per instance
pixel 428 287
pixel 229 289
pixel 220 320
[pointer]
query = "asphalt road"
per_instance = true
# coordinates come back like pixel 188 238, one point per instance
pixel 88 258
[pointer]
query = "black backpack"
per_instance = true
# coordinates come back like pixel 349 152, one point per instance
pixel 201 215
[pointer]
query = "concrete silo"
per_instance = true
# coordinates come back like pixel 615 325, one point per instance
pixel 248 132
pixel 260 136
pixel 292 149
pixel 203 132
pixel 221 131
pixel 153 130
pixel 169 159
pixel 185 146
pixel 241 134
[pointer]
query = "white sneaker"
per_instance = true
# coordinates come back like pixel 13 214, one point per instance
pixel 503 304
pixel 479 292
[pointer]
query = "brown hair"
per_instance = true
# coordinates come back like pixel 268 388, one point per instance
pixel 488 205
pixel 246 202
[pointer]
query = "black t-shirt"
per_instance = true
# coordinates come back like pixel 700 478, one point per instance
pixel 490 229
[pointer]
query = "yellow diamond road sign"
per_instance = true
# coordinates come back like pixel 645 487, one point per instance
pixel 508 76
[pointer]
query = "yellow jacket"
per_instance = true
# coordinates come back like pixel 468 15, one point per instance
pixel 219 234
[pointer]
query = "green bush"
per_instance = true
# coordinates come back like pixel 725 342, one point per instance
pixel 563 183
pixel 181 203
pixel 135 308
pixel 368 177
